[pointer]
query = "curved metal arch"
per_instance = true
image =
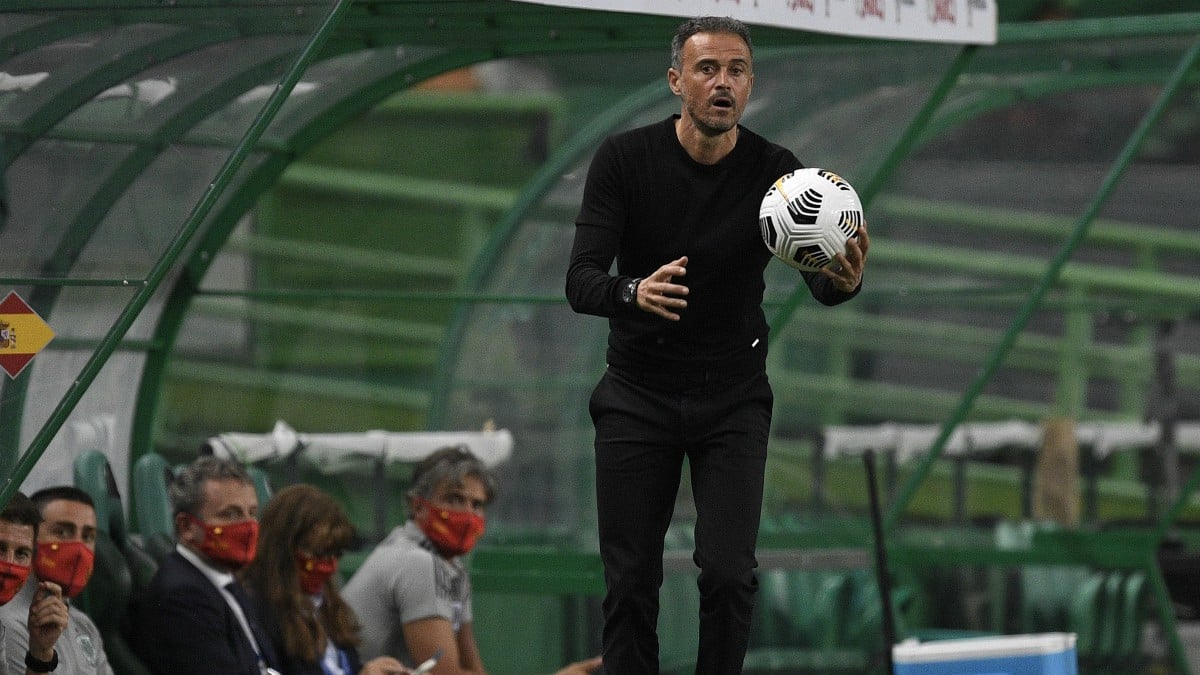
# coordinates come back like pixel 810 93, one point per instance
pixel 938 116
pixel 246 194
pixel 956 114
pixel 266 174
pixel 82 227
pixel 187 112
pixel 899 150
pixel 23 32
pixel 108 62
pixel 174 250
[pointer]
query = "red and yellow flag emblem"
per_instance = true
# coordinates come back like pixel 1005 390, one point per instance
pixel 22 334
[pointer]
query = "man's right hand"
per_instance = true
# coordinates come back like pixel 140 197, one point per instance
pixel 659 294
pixel 47 620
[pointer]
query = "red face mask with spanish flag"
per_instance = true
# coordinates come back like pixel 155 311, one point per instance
pixel 232 544
pixel 67 563
pixel 12 578
pixel 452 532
pixel 314 571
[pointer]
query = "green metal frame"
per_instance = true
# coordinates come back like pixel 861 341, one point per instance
pixel 156 275
pixel 472 31
pixel 1147 546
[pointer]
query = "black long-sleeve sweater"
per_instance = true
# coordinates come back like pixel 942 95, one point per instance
pixel 646 202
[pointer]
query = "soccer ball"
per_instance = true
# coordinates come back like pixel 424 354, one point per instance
pixel 807 216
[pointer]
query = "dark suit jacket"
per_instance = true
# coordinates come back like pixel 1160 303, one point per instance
pixel 183 626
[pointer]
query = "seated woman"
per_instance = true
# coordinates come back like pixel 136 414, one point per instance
pixel 303 533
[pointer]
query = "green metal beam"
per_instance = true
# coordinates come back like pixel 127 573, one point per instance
pixel 223 375
pixel 106 62
pixel 424 64
pixel 365 183
pixel 188 108
pixel 1104 231
pixel 1049 277
pixel 899 151
pixel 21 33
pixel 998 96
pixel 901 255
pixel 1106 28
pixel 167 261
pixel 334 323
pixel 335 256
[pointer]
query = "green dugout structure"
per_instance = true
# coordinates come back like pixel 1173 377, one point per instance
pixel 339 217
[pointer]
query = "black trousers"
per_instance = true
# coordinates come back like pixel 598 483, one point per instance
pixel 644 429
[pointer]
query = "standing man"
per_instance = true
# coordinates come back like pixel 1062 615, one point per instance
pixel 676 205
pixel 66 554
pixel 47 616
pixel 195 618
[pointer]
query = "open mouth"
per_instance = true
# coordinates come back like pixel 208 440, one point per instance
pixel 723 102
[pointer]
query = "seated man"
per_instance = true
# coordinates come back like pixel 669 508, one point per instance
pixel 412 593
pixel 66 552
pixel 47 616
pixel 194 618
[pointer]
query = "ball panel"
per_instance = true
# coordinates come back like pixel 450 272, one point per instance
pixel 805 208
pixel 807 215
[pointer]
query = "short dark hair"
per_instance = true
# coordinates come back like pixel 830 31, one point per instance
pixel 187 490
pixel 67 492
pixel 20 510
pixel 450 464
pixel 706 24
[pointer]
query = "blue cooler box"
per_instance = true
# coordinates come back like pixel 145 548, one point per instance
pixel 1037 654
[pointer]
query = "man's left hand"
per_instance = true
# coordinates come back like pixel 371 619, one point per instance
pixel 847 270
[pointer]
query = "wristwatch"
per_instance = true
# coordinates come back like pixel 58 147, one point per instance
pixel 629 292
pixel 38 666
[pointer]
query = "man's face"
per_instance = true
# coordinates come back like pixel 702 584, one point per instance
pixel 713 81
pixel 16 543
pixel 66 520
pixel 470 496
pixel 225 501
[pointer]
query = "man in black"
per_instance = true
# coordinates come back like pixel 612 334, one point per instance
pixel 195 618
pixel 676 205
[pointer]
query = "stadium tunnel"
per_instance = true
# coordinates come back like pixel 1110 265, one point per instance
pixel 356 215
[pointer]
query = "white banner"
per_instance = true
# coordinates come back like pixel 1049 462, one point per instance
pixel 957 21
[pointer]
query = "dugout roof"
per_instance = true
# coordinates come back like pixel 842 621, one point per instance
pixel 157 153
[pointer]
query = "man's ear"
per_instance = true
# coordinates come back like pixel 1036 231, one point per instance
pixel 673 80
pixel 183 527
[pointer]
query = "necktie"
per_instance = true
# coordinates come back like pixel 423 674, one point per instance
pixel 258 640
pixel 235 589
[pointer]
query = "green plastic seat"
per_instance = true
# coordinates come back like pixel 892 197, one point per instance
pixel 119 566
pixel 833 601
pixel 152 505
pixel 1133 614
pixel 262 485
pixel 1108 632
pixel 1085 613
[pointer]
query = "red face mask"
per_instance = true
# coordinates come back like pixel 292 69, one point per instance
pixel 233 544
pixel 66 563
pixel 452 532
pixel 314 572
pixel 12 578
